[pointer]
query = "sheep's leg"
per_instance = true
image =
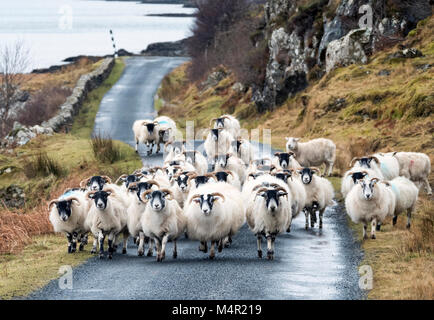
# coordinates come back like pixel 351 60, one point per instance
pixel 320 213
pixel 220 245
pixel 74 242
pixel 312 218
pixel 394 220
pixel 111 237
pixel 140 250
pixel 270 251
pixel 101 238
pixel 125 242
pixel 163 247
pixel 84 239
pixel 137 145
pixel 150 247
pixel 427 186
pixel 330 168
pixel 94 245
pixel 365 227
pixel 373 227
pixel 379 225
pixel 258 241
pixel 158 243
pixel 409 211
pixel 69 238
pixel 175 250
pixel 203 246
pixel 306 214
pixel 212 251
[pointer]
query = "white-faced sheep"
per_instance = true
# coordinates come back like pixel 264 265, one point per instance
pixel 370 202
pixel 146 131
pixel 218 141
pixel 68 214
pixel 415 166
pixel 313 153
pixel 231 163
pixel 319 195
pixel 213 213
pixel 166 131
pixel 228 122
pixel 270 215
pixel 106 217
pixel 162 220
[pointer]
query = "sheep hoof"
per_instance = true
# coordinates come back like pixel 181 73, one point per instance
pixel 124 250
pixel 175 255
pixel 211 256
pixel 101 255
pixel 137 151
pixel 320 225
pixel 186 235
pixel 149 254
pixel 230 240
pixel 288 230
pixel 227 244
pixel 373 236
pixel 140 253
pixel 93 251
pixel 306 227
pixel 260 254
pixel 270 255
pixel 110 257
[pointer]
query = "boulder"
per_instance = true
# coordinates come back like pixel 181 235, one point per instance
pixel 13 196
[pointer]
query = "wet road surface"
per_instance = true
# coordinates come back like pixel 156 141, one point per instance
pixel 309 264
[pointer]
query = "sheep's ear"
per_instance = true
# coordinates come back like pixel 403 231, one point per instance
pixel 296 139
pixel 108 193
pixel 281 193
pixel 196 200
pixel 287 138
pixel 91 195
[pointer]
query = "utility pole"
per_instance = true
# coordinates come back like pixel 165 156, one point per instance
pixel 114 44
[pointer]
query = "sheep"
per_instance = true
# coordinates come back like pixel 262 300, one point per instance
pixel 181 187
pixel 351 176
pixel 389 165
pixel 406 194
pixel 106 217
pixel 231 163
pixel 194 158
pixel 146 131
pixel 297 190
pixel 319 195
pixel 313 153
pixel 244 150
pixel 97 183
pixel 370 202
pixel 166 131
pixel 68 214
pixel 367 162
pixel 162 220
pixel 285 160
pixel 214 212
pixel 228 122
pixel 135 211
pixel 415 166
pixel 271 215
pixel 196 180
pixel 254 167
pixel 229 177
pixel 218 141
pixel 173 167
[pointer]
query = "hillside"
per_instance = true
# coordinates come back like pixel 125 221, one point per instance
pixel 384 104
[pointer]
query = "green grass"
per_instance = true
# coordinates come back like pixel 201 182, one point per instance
pixel 84 122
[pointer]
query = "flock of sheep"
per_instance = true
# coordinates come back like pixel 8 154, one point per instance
pixel 158 204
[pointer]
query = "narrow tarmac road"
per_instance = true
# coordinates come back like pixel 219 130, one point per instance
pixel 309 264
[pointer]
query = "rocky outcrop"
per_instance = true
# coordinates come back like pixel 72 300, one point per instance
pixel 20 134
pixel 167 49
pixel 13 196
pixel 314 38
pixel 73 103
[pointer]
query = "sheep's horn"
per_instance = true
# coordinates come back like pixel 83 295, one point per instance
pixel 261 190
pixel 144 194
pixel 316 169
pixel 277 153
pixel 224 117
pixel 168 192
pixel 51 203
pixel 107 179
pixel 84 183
pixel 375 159
pixel 272 168
pixel 194 197
pixel 156 122
pixel 73 199
pixel 375 180
pixel 291 153
pixel 89 193
pixel 120 178
pixel 211 121
pixel 132 186
pixel 210 175
pixel 219 195
pixel 354 160
pixel 109 190
pixel 153 182
pixel 229 172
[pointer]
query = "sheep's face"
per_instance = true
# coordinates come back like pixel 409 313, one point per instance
pixel 130 179
pixel 368 188
pixel 356 176
pixel 282 176
pixel 215 134
pixel 182 182
pixel 283 159
pixel 222 176
pixel 64 209
pixel 291 143
pixel 200 180
pixel 206 203
pixel 365 162
pixel 222 160
pixel 150 127
pixel 220 123
pixel 100 199
pixel 164 135
pixel 272 200
pixel 141 188
pixel 96 183
pixel 158 200
pixel 306 175
pixel 171 171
